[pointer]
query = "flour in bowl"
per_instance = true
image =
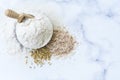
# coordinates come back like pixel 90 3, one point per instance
pixel 34 33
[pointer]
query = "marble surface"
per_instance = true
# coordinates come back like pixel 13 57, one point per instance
pixel 96 27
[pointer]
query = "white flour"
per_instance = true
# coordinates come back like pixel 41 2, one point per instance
pixel 34 33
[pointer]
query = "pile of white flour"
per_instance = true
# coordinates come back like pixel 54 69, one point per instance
pixel 36 32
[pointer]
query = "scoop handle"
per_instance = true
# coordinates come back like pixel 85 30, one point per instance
pixel 12 14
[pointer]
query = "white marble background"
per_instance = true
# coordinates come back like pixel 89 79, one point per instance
pixel 96 26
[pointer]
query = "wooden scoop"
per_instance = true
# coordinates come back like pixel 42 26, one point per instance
pixel 20 17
